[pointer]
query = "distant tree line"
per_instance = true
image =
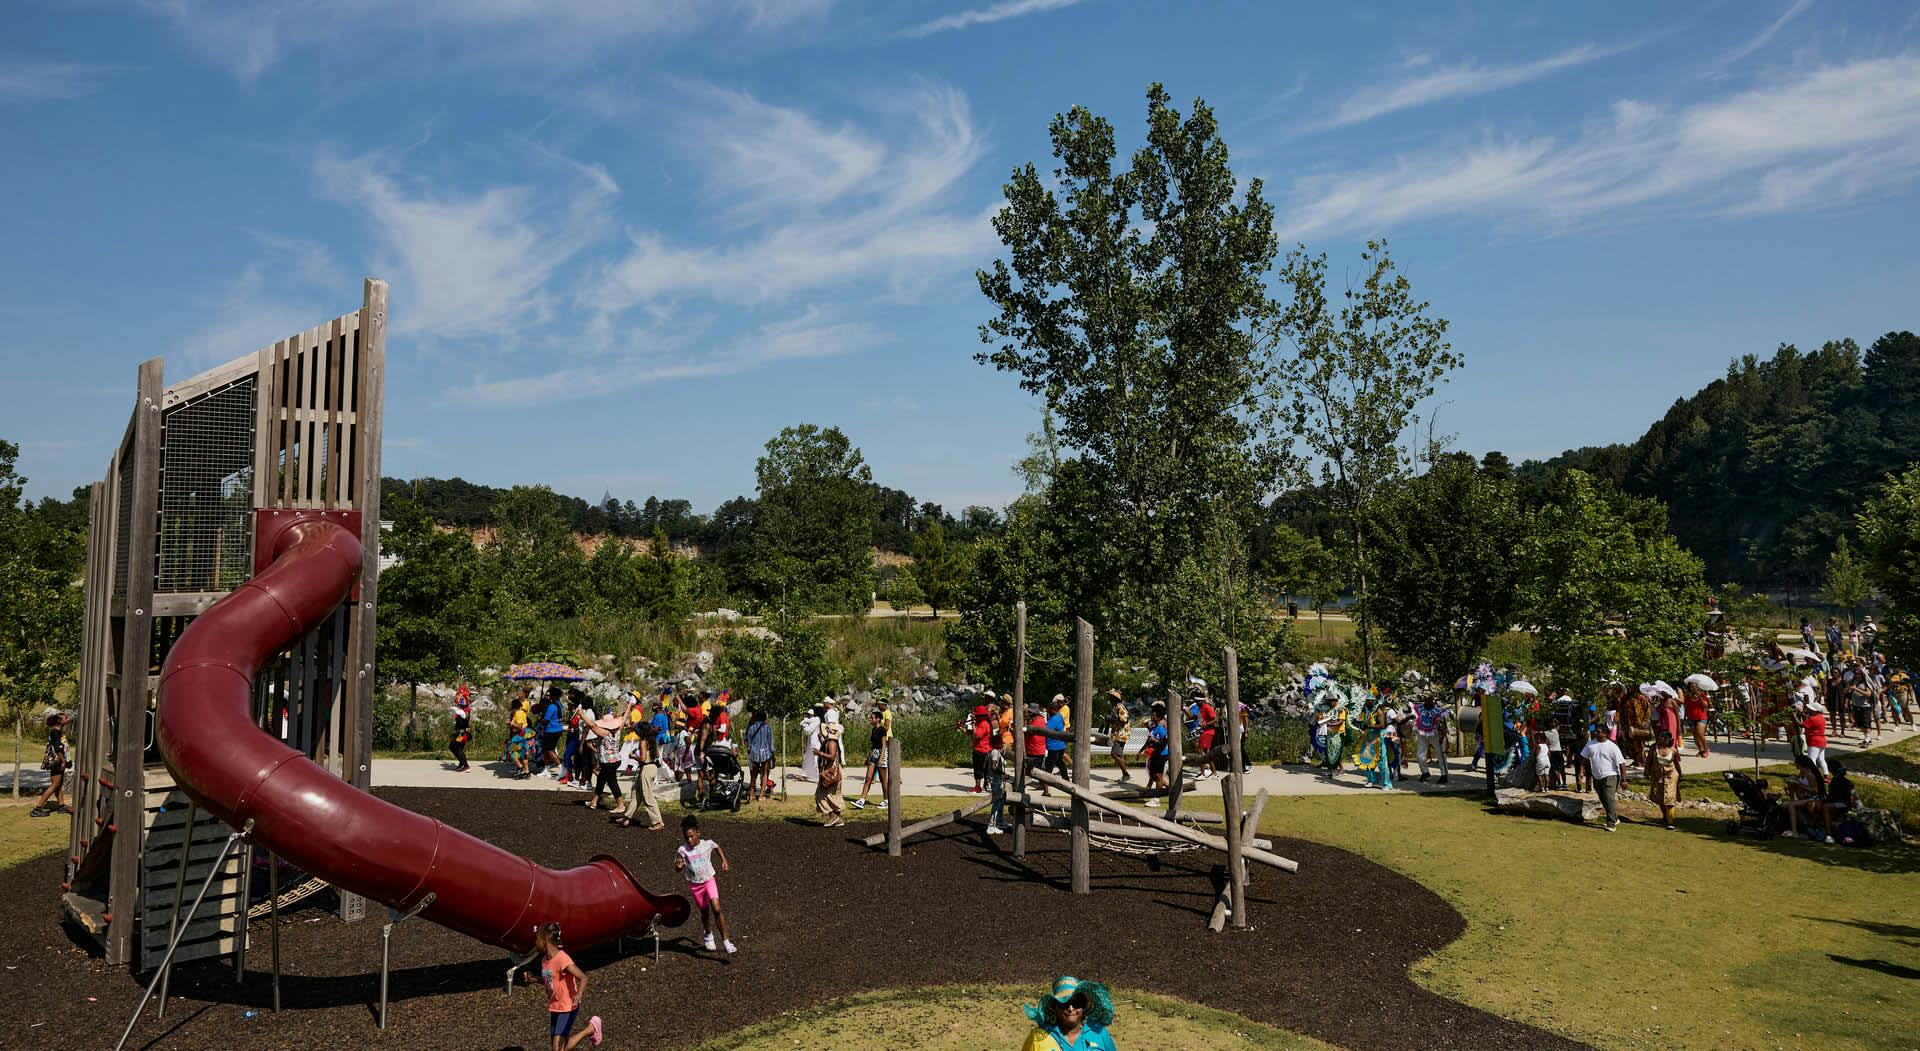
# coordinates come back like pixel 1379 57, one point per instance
pixel 897 517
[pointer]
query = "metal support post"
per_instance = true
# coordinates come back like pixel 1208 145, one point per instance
pixel 394 919
pixel 174 942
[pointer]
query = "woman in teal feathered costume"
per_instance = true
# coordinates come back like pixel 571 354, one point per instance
pixel 1074 1018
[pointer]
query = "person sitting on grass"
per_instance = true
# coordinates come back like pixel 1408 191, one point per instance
pixel 1075 1016
pixel 1836 796
pixel 54 761
pixel 566 986
pixel 876 761
pixel 694 859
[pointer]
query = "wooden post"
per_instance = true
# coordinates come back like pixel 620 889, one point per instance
pixel 136 657
pixel 893 797
pixel 1082 750
pixel 371 363
pixel 1018 803
pixel 1233 787
pixel 1176 734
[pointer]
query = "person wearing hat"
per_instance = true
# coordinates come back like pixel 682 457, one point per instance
pixel 810 725
pixel 654 736
pixel 1118 722
pixel 1074 1016
pixel 980 728
pixel 462 728
pixel 1056 747
pixel 604 737
pixel 1814 726
pixel 827 798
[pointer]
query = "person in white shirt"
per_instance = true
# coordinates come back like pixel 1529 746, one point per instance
pixel 1604 760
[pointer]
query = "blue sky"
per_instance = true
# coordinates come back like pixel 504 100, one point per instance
pixel 629 240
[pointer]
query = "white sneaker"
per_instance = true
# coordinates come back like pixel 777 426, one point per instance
pixel 709 942
pixel 859 804
pixel 883 804
pixel 731 949
pixel 995 830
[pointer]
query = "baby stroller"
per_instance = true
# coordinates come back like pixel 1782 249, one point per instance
pixel 729 784
pixel 1761 812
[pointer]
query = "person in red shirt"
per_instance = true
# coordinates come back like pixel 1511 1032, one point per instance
pixel 1696 707
pixel 982 731
pixel 1205 716
pixel 1036 744
pixel 1815 725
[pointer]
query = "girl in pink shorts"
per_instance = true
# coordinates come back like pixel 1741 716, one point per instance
pixel 694 858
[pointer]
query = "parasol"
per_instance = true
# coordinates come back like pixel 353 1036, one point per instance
pixel 1522 686
pixel 546 671
pixel 1702 681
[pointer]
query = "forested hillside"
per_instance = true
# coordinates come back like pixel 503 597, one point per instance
pixel 897 516
pixel 1763 470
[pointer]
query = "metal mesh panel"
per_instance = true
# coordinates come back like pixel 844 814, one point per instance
pixel 206 491
pixel 122 534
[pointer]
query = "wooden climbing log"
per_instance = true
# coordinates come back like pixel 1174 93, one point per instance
pixel 1134 792
pixel 1232 792
pixel 1053 822
pixel 1019 724
pixel 1082 753
pixel 1155 821
pixel 946 818
pixel 1223 903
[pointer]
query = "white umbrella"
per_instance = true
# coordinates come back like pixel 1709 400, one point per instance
pixel 1702 681
pixel 1799 654
pixel 1523 686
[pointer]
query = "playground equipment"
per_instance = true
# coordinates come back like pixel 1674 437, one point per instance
pixel 1104 819
pixel 227 681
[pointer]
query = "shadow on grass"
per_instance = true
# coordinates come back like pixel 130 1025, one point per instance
pixel 1883 966
pixel 1885 930
pixel 1882 859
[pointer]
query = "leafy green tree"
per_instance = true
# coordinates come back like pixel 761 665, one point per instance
pixel 785 672
pixel 1847 585
pixel 1360 372
pixel 1443 546
pixel 938 567
pixel 431 604
pixel 1607 589
pixel 534 557
pixel 812 546
pixel 1890 547
pixel 42 551
pixel 1132 303
pixel 903 591
pixel 1022 562
pixel 611 577
pixel 664 588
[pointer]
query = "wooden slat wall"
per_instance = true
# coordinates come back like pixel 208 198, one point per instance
pixel 89 738
pixel 310 418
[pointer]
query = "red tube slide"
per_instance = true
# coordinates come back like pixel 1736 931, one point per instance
pixel 327 827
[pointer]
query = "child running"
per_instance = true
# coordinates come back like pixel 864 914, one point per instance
pixel 566 984
pixel 695 859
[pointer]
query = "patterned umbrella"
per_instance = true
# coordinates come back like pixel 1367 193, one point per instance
pixel 546 670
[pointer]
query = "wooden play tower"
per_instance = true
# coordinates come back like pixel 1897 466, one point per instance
pixel 205 465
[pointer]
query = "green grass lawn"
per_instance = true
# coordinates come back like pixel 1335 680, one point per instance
pixel 1900 760
pixel 966 1018
pixel 23 836
pixel 1646 938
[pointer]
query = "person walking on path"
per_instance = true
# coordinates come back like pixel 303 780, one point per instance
pixel 1663 776
pixel 54 760
pixel 980 728
pixel 1336 738
pixel 518 737
pixel 827 799
pixel 810 727
pixel 566 985
pixel 877 761
pixel 759 738
pixel 462 709
pixel 1814 727
pixel 1118 723
pixel 1604 762
pixel 1155 749
pixel 553 724
pixel 694 859
pixel 1470 723
pixel 603 746
pixel 1695 706
pixel 1037 745
pixel 1430 735
pixel 645 799
pixel 1057 748
pixel 1074 1016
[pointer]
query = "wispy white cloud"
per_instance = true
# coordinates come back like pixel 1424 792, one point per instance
pixel 983 15
pixel 473 264
pixel 872 210
pixel 254 310
pixel 1459 82
pixel 26 82
pixel 249 36
pixel 809 335
pixel 1760 40
pixel 1822 138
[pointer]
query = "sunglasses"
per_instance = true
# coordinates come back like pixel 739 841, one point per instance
pixel 1077 1003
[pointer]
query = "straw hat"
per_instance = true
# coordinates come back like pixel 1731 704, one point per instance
pixel 1816 708
pixel 611 721
pixel 830 731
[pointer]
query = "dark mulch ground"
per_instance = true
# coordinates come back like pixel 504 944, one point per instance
pixel 816 917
